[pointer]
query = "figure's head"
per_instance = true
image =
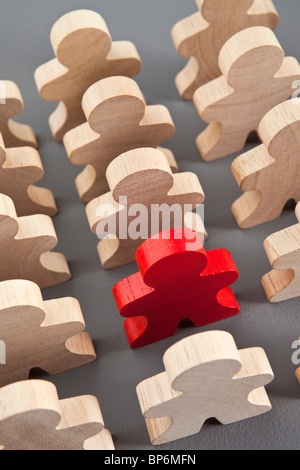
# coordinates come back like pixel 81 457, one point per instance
pixel 280 130
pixel 173 256
pixel 113 104
pixel 208 7
pixel 142 175
pixel 202 360
pixel 76 36
pixel 251 57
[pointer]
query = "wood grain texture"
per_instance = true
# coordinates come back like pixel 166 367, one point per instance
pixel 269 173
pixel 25 245
pixel 255 77
pixel 37 334
pixel 206 376
pixel 283 251
pixel 144 177
pixel 19 168
pixel 33 418
pixel 118 120
pixel 11 104
pixel 84 54
pixel 201 36
pixel 177 280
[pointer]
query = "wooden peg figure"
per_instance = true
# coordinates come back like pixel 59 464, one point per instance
pixel 33 418
pixel 25 245
pixel 143 190
pixel 283 251
pixel 13 133
pixel 201 36
pixel 118 120
pixel 48 335
pixel 177 279
pixel 206 376
pixel 269 174
pixel 19 168
pixel 84 54
pixel 256 77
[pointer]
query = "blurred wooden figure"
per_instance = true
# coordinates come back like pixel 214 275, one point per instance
pixel 48 335
pixel 33 418
pixel 202 35
pixel 256 77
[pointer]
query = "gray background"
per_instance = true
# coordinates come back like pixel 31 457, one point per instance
pixel 24 42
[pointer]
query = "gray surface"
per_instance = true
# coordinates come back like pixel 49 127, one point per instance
pixel 24 40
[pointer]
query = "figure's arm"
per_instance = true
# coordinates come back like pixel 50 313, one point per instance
pixel 129 293
pixel 125 56
pixel 187 33
pixel 80 144
pixel 249 168
pixel 50 80
pixel 256 370
pixel 103 210
pixel 264 13
pixel 210 100
pixel 186 190
pixel 159 122
pixel 154 395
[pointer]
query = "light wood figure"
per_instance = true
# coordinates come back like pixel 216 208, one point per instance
pixel 269 174
pixel 256 77
pixel 143 189
pixel 25 245
pixel 37 334
pixel 206 376
pixel 11 104
pixel 84 54
pixel 118 120
pixel 33 418
pixel 19 168
pixel 202 35
pixel 283 251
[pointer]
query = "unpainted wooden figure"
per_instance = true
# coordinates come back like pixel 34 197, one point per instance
pixel 201 36
pixel 206 376
pixel 84 54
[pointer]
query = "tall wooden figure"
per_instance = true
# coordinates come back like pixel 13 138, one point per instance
pixel 256 77
pixel 269 174
pixel 84 54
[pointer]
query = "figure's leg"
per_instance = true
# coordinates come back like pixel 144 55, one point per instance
pixel 251 209
pixel 223 306
pixel 141 332
pixel 215 142
pixel 64 118
pixel 89 185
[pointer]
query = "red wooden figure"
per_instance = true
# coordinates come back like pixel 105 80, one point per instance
pixel 177 280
